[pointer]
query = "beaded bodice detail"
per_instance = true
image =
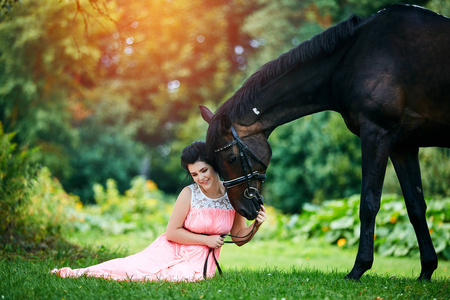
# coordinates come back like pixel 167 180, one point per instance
pixel 200 200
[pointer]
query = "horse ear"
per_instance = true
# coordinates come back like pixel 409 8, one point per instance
pixel 206 113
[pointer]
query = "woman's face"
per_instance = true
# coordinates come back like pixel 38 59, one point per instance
pixel 203 174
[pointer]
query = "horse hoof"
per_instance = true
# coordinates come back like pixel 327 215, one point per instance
pixel 350 277
pixel 424 277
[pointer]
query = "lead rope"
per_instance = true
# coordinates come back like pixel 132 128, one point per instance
pixel 246 238
pixel 205 266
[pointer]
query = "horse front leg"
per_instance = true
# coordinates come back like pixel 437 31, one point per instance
pixel 375 148
pixel 406 165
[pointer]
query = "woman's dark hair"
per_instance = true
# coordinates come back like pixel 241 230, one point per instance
pixel 196 152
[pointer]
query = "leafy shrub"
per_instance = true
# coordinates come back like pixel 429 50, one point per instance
pixel 141 208
pixel 33 204
pixel 16 172
pixel 50 211
pixel 337 221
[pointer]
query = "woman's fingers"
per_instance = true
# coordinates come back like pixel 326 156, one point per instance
pixel 261 215
pixel 219 242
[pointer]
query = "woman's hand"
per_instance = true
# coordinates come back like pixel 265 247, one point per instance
pixel 214 241
pixel 261 217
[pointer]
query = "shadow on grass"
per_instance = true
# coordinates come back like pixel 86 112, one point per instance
pixel 56 249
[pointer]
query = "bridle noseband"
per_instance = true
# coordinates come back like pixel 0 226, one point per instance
pixel 244 153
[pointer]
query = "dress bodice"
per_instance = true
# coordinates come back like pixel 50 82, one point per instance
pixel 207 215
pixel 200 200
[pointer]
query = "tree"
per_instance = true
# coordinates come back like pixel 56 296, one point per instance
pixel 314 158
pixel 106 147
pixel 41 67
pixel 169 56
pixel 60 60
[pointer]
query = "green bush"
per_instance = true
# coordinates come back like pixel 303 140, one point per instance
pixel 34 208
pixel 50 211
pixel 141 208
pixel 337 221
pixel 16 172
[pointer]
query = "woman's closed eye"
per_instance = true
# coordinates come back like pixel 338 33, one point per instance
pixel 201 171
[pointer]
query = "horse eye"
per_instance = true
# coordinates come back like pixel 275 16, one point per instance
pixel 232 158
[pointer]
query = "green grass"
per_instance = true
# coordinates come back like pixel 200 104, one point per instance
pixel 28 279
pixel 258 270
pixel 315 254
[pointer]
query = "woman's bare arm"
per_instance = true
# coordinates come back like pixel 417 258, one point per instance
pixel 175 231
pixel 241 229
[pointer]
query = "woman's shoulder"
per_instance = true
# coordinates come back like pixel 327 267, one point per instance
pixel 192 187
pixel 185 195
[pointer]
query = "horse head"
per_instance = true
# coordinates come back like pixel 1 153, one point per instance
pixel 242 154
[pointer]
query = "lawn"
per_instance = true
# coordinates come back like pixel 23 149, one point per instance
pixel 259 270
pixel 25 279
pixel 315 254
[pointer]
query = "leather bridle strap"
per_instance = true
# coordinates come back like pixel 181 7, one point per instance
pixel 233 182
pixel 205 266
pixel 244 153
pixel 245 149
pixel 246 238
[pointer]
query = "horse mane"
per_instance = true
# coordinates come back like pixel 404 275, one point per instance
pixel 245 97
pixel 321 44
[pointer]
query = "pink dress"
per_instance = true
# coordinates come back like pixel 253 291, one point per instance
pixel 166 260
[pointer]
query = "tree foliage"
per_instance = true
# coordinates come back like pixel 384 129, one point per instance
pixel 106 147
pixel 314 158
pixel 110 89
pixel 157 59
pixel 41 68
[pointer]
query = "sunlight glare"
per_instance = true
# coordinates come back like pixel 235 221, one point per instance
pixel 106 61
pixel 200 38
pixel 254 43
pixel 238 49
pixel 128 50
pixel 172 86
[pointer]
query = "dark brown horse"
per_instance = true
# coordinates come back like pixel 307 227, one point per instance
pixel 389 78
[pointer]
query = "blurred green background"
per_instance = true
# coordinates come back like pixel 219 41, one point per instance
pixel 97 91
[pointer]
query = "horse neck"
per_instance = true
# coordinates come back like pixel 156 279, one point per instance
pixel 290 111
pixel 303 91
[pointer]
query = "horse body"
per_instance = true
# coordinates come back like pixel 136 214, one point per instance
pixel 396 76
pixel 389 78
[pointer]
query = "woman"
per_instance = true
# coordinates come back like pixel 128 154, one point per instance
pixel 191 245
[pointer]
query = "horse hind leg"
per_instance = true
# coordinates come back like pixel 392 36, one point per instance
pixel 406 165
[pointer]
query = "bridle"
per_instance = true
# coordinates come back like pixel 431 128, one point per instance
pixel 244 153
